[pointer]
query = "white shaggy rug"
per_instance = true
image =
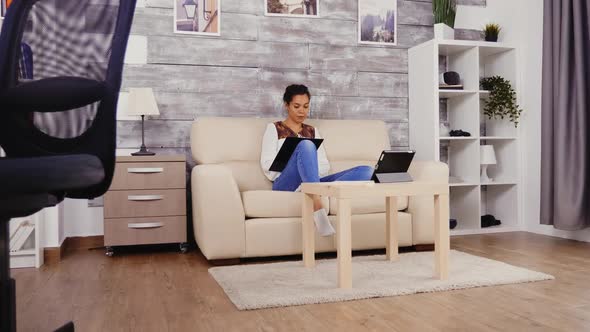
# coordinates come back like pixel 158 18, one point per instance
pixel 290 283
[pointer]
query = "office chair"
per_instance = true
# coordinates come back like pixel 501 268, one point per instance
pixel 61 64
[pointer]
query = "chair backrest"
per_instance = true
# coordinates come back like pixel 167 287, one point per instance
pixel 53 39
pixel 237 142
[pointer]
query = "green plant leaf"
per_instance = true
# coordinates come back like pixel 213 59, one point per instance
pixel 502 100
pixel 444 11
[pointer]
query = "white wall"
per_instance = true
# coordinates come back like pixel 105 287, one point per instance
pixel 522 23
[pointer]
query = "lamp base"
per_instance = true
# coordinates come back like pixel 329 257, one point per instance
pixel 484 175
pixel 143 151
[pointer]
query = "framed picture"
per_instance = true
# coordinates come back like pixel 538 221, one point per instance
pixel 4 6
pixel 197 17
pixel 377 22
pixel 292 8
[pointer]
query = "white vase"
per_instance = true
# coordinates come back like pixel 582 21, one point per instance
pixel 443 31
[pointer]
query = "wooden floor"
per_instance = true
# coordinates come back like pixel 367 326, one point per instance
pixel 168 291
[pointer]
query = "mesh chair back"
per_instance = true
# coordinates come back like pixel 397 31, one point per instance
pixel 43 39
pixel 69 38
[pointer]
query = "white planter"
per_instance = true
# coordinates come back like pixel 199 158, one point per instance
pixel 443 31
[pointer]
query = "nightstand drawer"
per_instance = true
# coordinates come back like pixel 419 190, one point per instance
pixel 149 175
pixel 131 231
pixel 144 203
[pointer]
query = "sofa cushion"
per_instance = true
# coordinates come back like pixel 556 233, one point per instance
pixel 353 139
pixel 236 139
pixel 248 175
pixel 240 139
pixel 368 205
pixel 282 236
pixel 274 204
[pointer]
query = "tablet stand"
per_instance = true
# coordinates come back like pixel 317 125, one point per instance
pixel 393 177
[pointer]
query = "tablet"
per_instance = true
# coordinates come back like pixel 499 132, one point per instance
pixel 393 166
pixel 287 150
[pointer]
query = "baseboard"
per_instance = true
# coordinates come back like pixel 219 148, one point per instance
pixel 424 247
pixel 225 262
pixel 56 254
pixel 53 254
pixel 83 242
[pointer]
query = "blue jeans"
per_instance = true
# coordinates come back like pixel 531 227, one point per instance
pixel 303 167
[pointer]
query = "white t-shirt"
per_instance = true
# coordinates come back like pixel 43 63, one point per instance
pixel 272 142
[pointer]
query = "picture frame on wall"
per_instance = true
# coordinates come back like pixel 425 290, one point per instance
pixel 197 17
pixel 377 22
pixel 4 4
pixel 292 8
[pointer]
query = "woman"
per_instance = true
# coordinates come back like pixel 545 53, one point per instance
pixel 306 163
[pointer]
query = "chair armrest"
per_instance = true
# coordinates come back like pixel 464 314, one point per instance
pixel 422 207
pixel 54 94
pixel 218 212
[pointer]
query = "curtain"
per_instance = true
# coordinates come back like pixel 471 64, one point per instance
pixel 565 138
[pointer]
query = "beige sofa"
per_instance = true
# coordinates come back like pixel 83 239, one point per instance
pixel 236 214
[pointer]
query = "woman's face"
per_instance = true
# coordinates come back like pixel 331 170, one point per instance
pixel 298 108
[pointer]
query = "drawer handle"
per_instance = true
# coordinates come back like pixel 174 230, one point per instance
pixel 145 170
pixel 145 197
pixel 140 225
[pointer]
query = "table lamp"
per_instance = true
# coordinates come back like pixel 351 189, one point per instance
pixel 487 157
pixel 142 102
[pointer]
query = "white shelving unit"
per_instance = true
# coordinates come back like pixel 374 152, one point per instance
pixel 469 197
pixel 30 249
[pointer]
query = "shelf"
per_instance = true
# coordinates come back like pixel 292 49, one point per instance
pixel 446 94
pixel 434 112
pixel 490 48
pixel 458 138
pixel 499 183
pixel 497 138
pixel 452 48
pixel 449 47
pixel 462 184
pixel 25 252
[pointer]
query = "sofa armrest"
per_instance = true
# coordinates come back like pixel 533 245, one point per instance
pixel 218 212
pixel 432 171
pixel 422 207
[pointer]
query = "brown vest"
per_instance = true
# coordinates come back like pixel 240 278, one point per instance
pixel 283 131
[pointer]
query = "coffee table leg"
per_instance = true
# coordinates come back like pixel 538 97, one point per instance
pixel 391 216
pixel 344 246
pixel 441 236
pixel 308 231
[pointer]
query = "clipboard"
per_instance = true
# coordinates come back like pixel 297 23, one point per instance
pixel 287 150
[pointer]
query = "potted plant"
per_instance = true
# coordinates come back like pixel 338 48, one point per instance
pixel 492 31
pixel 444 18
pixel 502 100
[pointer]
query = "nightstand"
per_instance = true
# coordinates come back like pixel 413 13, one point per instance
pixel 146 203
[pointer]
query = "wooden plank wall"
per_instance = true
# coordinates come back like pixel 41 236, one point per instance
pixel 244 72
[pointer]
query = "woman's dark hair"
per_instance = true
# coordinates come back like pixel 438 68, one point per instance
pixel 295 90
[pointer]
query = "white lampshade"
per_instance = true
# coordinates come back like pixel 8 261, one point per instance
pixel 487 155
pixel 142 102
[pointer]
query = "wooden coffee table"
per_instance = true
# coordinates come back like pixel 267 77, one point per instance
pixel 344 192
